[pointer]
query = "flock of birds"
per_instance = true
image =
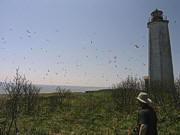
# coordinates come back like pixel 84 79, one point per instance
pixel 113 61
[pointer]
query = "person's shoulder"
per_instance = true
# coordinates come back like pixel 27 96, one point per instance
pixel 144 111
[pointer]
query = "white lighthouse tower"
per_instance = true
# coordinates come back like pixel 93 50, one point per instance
pixel 160 58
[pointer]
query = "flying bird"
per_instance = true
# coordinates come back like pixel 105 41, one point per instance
pixel 28 31
pixel 57 30
pixel 136 46
pixel 47 40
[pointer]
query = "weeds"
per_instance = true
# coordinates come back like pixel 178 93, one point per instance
pixel 112 111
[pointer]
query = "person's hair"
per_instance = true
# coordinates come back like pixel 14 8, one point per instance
pixel 146 106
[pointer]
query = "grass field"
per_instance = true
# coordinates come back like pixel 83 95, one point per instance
pixel 94 114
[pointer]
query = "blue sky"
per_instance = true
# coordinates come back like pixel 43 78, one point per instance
pixel 80 42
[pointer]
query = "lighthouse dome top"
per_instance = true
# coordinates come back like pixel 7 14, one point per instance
pixel 157 15
pixel 157 12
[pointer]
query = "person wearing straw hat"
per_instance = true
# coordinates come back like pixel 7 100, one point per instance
pixel 147 120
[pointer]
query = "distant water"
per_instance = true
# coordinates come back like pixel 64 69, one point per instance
pixel 52 88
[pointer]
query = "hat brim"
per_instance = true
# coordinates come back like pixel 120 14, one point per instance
pixel 148 101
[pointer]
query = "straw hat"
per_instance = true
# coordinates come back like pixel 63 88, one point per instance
pixel 143 98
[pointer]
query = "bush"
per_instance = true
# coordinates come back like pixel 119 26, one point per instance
pixel 177 84
pixel 62 95
pixel 19 94
pixel 124 93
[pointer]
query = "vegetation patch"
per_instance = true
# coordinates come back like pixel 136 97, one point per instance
pixel 25 111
